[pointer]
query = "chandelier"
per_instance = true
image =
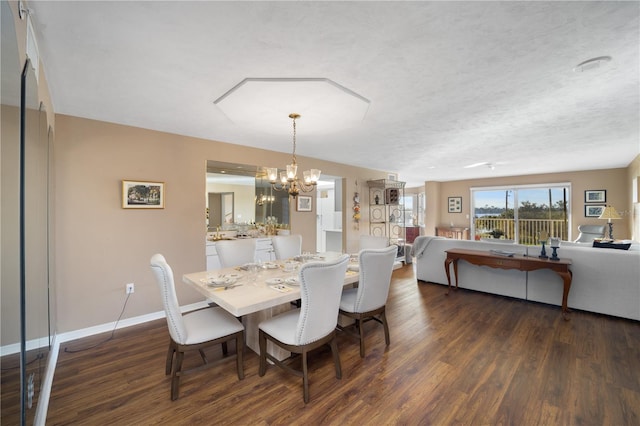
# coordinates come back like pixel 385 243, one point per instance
pixel 289 180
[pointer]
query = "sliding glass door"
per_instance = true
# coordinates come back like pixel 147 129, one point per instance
pixel 520 213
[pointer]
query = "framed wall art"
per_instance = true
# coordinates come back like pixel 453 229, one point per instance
pixel 591 210
pixel 303 204
pixel 142 195
pixel 455 204
pixel 595 196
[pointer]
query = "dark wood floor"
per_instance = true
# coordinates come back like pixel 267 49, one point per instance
pixel 468 358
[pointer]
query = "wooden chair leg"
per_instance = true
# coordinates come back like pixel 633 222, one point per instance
pixel 361 333
pixel 336 357
pixel 305 377
pixel 175 378
pixel 383 317
pixel 262 340
pixel 170 353
pixel 203 356
pixel 239 355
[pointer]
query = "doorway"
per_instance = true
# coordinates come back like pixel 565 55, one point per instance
pixel 329 214
pixel 220 208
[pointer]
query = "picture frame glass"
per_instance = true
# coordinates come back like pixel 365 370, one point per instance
pixel 455 204
pixel 303 203
pixel 142 195
pixel 595 196
pixel 591 210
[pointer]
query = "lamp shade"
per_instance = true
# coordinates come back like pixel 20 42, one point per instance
pixel 609 212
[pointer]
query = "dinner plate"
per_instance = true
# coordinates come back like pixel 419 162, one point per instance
pixel 221 281
pixel 292 281
pixel 230 276
pixel 272 281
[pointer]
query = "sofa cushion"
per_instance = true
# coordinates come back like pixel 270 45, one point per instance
pixel 617 246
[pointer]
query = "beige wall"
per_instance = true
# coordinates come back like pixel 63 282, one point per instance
pixel 9 225
pixel 100 246
pixel 615 181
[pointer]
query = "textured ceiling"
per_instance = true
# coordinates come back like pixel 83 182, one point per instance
pixel 449 83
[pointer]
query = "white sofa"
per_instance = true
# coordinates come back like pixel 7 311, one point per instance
pixel 605 281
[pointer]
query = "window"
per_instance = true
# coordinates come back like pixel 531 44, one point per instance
pixel 413 209
pixel 519 213
pixel 407 210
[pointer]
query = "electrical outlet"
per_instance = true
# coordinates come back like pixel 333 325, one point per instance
pixel 130 288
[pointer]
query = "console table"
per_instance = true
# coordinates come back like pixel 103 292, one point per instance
pixel 452 232
pixel 520 262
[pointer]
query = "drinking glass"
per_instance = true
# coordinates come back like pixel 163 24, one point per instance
pixel 253 273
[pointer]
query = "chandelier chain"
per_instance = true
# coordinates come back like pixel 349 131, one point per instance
pixel 294 139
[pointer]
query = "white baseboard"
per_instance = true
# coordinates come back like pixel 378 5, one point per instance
pixel 14 348
pixel 45 391
pixel 103 328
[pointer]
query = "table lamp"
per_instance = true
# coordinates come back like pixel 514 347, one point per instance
pixel 610 213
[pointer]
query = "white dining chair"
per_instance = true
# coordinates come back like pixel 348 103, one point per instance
pixel 368 301
pixel 313 324
pixel 236 252
pixel 287 246
pixel 194 330
pixel 373 242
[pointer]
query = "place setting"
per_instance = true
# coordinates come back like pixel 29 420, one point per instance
pixel 222 281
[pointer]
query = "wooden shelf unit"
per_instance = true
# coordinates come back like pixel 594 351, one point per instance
pixel 386 211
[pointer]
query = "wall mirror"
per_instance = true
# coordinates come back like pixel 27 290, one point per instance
pixel 25 241
pixel 239 194
pixel 10 219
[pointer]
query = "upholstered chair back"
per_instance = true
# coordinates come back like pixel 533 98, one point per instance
pixel 164 277
pixel 287 246
pixel 236 252
pixel 376 266
pixel 589 232
pixel 320 287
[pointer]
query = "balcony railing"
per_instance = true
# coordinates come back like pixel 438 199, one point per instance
pixel 528 229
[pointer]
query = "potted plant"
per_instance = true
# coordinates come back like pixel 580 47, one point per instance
pixel 496 233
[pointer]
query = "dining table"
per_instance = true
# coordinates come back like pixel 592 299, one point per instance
pixel 259 293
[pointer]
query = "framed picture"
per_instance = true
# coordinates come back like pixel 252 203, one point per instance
pixel 304 203
pixel 142 195
pixel 455 204
pixel 595 196
pixel 591 210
